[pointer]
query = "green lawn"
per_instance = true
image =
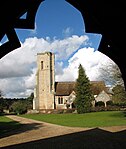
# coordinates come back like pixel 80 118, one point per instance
pixel 94 119
pixel 7 124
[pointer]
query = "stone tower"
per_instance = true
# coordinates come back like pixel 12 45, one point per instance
pixel 45 79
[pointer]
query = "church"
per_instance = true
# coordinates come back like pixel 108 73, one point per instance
pixel 49 94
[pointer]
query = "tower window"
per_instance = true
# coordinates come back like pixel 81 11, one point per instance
pixel 41 65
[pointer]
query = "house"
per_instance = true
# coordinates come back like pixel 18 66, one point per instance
pixel 103 96
pixel 49 94
pixel 64 95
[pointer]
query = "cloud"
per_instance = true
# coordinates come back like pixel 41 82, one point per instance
pixel 91 61
pixel 19 62
pixel 18 68
pixel 67 32
pixel 18 86
pixel 13 86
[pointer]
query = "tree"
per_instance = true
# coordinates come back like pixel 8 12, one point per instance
pixel 2 103
pixel 1 94
pixel 19 107
pixel 29 101
pixel 111 74
pixel 119 93
pixel 84 96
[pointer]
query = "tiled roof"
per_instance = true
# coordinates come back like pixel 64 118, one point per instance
pixel 98 86
pixel 65 88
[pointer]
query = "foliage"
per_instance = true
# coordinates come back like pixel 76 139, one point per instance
pixel 19 107
pixel 119 93
pixel 83 91
pixel 2 105
pixel 22 105
pixel 29 101
pixel 103 108
pixel 0 93
pixel 109 103
pixel 31 97
pixel 1 102
pixel 8 103
pixel 111 74
pixel 120 104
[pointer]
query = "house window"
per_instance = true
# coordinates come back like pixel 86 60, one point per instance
pixel 60 100
pixel 41 65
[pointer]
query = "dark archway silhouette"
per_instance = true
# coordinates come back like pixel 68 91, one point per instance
pixel 10 14
pixel 107 18
pixel 103 17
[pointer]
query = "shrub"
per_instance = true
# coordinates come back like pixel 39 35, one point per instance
pixel 109 103
pixel 19 107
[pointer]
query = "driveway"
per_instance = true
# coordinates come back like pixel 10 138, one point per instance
pixel 40 135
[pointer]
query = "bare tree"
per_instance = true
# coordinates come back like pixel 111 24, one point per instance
pixel 111 74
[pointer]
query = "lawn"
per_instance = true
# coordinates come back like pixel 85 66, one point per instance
pixel 7 125
pixel 94 119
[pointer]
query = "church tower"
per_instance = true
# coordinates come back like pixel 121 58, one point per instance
pixel 45 79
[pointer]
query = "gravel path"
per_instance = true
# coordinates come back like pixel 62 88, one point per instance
pixel 35 134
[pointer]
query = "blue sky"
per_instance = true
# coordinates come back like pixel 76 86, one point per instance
pixel 58 19
pixel 59 28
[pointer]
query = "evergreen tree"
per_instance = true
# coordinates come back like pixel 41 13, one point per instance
pixel 29 101
pixel 84 95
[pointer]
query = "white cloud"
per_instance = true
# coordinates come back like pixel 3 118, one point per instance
pixel 18 68
pixel 17 77
pixel 13 86
pixel 30 80
pixel 91 61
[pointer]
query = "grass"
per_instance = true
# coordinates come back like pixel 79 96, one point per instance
pixel 7 125
pixel 94 119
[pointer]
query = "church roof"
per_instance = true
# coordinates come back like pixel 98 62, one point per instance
pixel 66 88
pixel 98 86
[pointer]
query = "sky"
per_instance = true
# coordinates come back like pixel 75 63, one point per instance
pixel 59 28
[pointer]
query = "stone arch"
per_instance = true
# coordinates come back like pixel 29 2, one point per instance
pixel 107 20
